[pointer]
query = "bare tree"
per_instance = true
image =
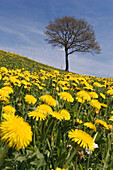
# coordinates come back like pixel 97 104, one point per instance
pixel 73 35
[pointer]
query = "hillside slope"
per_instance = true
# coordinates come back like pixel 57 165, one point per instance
pixel 15 61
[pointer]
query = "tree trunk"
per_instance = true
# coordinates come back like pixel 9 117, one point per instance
pixel 66 59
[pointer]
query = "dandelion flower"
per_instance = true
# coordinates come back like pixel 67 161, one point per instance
pixel 79 121
pixel 66 96
pixel 45 109
pixel 111 118
pixel 82 138
pixel 4 96
pixel 95 104
pixel 110 92
pixel 9 90
pixel 101 123
pixel 96 84
pixel 82 96
pixel 59 169
pixel 9 109
pixel 57 115
pixel 64 114
pixel 16 132
pixel 48 100
pixel 93 95
pixel 102 95
pixel 30 99
pixel 90 125
pixel 37 115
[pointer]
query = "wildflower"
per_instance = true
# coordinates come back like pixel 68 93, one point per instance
pixel 7 111
pixel 82 138
pixel 90 125
pixel 96 84
pixel 3 69
pixel 30 99
pixel 95 104
pixel 66 96
pixel 110 126
pixel 110 92
pixel 59 169
pixel 57 115
pixel 16 132
pixel 38 115
pixel 104 105
pixel 101 123
pixel 82 96
pixel 48 100
pixel 4 96
pixel 93 95
pixel 9 90
pixel 111 118
pixel 65 114
pixel 88 151
pixel 79 121
pixel 44 108
pixel 102 95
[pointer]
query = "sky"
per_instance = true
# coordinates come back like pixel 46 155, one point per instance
pixel 23 22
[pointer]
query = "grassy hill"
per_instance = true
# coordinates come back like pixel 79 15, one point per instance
pixel 15 61
pixel 52 119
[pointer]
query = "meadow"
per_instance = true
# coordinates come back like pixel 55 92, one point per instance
pixel 53 120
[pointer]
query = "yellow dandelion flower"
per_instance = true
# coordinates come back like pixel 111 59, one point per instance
pixel 65 114
pixel 90 125
pixel 82 138
pixel 7 111
pixel 96 84
pixel 95 104
pixel 111 118
pixel 82 96
pixel 0 76
pixel 102 95
pixel 9 90
pixel 38 115
pixel 66 96
pixel 16 132
pixel 44 108
pixel 3 93
pixel 48 100
pixel 104 105
pixel 101 123
pixel 59 169
pixel 93 95
pixel 111 112
pixel 3 69
pixel 110 127
pixel 30 99
pixel 57 115
pixel 4 96
pixel 79 121
pixel 110 92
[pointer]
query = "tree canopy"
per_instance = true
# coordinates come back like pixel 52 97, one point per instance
pixel 73 35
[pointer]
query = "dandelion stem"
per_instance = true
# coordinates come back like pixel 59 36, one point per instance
pixel 71 157
pixel 107 154
pixel 79 111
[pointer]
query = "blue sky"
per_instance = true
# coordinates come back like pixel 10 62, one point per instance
pixel 22 23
